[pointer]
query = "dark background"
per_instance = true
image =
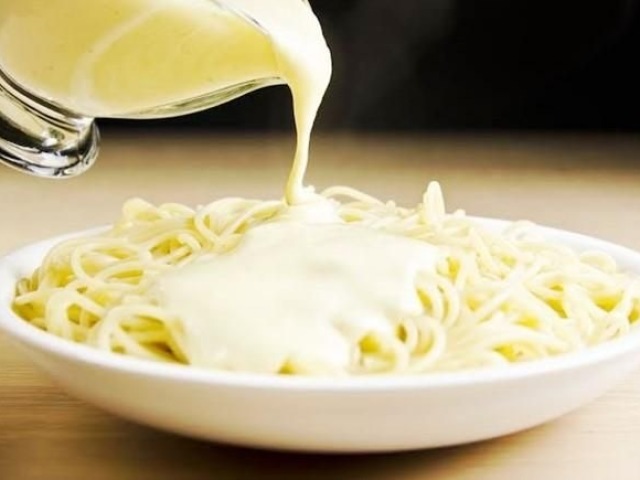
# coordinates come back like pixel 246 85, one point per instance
pixel 408 65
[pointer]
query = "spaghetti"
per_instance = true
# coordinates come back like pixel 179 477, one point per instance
pixel 491 298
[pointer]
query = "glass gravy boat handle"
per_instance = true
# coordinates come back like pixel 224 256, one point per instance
pixel 41 138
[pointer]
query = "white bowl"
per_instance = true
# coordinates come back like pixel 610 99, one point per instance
pixel 327 415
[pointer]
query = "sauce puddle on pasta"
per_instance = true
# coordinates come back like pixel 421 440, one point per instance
pixel 332 283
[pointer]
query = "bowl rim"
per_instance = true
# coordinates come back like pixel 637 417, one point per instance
pixel 18 330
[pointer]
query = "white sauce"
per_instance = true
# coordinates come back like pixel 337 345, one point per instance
pixel 295 292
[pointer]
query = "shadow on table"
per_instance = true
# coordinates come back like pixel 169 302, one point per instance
pixel 123 451
pixel 179 457
pixel 142 453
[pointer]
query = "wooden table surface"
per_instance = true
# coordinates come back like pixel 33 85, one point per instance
pixel 591 185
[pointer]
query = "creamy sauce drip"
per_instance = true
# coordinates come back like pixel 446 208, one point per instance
pixel 304 62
